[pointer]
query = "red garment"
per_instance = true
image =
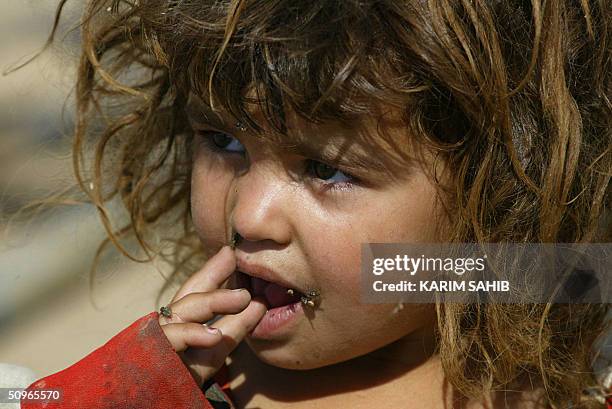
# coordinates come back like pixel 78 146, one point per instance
pixel 137 368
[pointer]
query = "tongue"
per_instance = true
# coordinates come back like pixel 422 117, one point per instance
pixel 259 285
pixel 275 294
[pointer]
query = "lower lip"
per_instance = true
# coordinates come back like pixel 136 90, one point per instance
pixel 277 321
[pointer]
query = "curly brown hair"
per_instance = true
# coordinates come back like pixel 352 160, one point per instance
pixel 514 96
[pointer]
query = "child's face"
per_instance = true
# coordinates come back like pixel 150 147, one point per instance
pixel 310 237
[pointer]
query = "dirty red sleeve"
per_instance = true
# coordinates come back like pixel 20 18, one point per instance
pixel 137 368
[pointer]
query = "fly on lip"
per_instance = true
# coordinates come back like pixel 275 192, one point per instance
pixel 276 294
pixel 309 298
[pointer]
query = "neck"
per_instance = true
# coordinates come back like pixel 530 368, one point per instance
pixel 403 371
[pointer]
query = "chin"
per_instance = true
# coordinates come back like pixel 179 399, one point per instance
pixel 283 356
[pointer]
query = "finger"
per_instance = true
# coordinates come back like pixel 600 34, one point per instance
pixel 236 327
pixel 205 362
pixel 199 364
pixel 210 277
pixel 191 334
pixel 202 307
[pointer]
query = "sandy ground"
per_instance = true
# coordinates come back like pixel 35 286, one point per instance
pixel 65 327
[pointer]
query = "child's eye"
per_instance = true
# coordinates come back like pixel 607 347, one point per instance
pixel 320 170
pixel 333 178
pixel 220 141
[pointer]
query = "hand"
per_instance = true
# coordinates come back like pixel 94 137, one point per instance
pixel 204 348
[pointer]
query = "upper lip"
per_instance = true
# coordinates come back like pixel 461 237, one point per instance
pixel 265 273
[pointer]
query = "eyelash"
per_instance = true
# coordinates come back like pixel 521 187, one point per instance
pixel 206 137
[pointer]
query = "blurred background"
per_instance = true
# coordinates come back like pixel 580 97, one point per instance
pixel 48 317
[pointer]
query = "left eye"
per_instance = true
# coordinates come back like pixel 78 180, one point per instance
pixel 222 141
pixel 325 172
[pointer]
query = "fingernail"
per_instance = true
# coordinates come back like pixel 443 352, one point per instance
pixel 239 289
pixel 212 330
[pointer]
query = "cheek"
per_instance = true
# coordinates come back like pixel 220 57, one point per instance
pixel 405 215
pixel 335 261
pixel 207 187
pixel 406 218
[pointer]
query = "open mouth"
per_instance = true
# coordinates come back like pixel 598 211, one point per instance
pixel 285 306
pixel 275 294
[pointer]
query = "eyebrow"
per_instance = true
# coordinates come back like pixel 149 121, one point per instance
pixel 202 114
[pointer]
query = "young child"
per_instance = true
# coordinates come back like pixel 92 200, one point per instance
pixel 286 133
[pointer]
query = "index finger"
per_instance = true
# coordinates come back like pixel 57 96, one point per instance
pixel 210 277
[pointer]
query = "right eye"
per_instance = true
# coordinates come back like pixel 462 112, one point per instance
pixel 221 142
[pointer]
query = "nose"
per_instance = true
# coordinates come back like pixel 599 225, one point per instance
pixel 261 205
